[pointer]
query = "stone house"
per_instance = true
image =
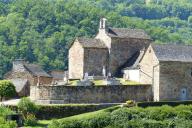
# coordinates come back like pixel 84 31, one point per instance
pixel 110 49
pixel 168 68
pixel 24 75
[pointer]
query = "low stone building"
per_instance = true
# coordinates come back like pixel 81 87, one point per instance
pixel 168 68
pixel 24 75
pixel 111 48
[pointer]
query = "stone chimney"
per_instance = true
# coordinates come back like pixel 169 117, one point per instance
pixel 102 23
pixel 18 65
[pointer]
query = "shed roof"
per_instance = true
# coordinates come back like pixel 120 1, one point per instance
pixel 19 84
pixel 91 43
pixel 57 74
pixel 127 33
pixel 36 70
pixel 173 52
pixel 133 62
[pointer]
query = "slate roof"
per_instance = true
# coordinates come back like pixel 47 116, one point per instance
pixel 127 33
pixel 19 84
pixel 36 70
pixel 173 52
pixel 91 43
pixel 133 62
pixel 57 74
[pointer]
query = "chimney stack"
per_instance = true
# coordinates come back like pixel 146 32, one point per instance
pixel 102 23
pixel 18 65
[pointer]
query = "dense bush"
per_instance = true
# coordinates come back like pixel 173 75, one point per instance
pixel 3 123
pixel 135 117
pixel 25 105
pixel 7 89
pixel 28 109
pixel 160 103
pixel 61 111
pixel 7 124
pixel 30 120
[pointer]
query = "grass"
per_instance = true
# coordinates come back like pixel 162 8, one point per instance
pixel 40 124
pixel 128 82
pixel 90 115
pixel 73 82
pixel 101 82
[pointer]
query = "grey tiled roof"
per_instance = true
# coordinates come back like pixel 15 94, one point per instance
pixel 127 33
pixel 57 74
pixel 173 52
pixel 19 84
pixel 91 43
pixel 36 70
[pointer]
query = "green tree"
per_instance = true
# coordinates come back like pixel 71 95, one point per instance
pixel 7 89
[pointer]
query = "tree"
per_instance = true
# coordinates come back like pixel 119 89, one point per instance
pixel 7 89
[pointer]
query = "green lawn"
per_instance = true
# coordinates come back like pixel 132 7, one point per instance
pixel 100 82
pixel 40 124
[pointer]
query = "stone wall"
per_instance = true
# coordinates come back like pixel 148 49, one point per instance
pixel 76 61
pixel 175 76
pixel 149 71
pixel 94 60
pixel 90 94
pixel 122 49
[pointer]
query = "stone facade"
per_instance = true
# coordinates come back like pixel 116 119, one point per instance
pixel 20 71
pixel 175 77
pixel 76 61
pixel 171 80
pixel 95 60
pixel 121 44
pixel 123 49
pixel 90 94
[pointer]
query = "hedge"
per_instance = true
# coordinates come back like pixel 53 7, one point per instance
pixel 64 110
pixel 161 103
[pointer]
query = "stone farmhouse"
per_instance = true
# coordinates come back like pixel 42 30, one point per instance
pixel 24 75
pixel 168 68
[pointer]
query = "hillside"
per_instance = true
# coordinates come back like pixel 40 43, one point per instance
pixel 41 31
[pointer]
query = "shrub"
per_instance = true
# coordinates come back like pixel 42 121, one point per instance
pixel 7 124
pixel 161 103
pixel 185 115
pixel 30 120
pixel 7 89
pixel 5 111
pixel 66 110
pixel 26 106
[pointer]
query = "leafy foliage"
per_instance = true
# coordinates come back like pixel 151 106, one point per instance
pixel 41 31
pixel 3 123
pixel 135 117
pixel 28 109
pixel 7 89
pixel 25 105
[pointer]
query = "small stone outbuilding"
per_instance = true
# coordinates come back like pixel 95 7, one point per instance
pixel 24 75
pixel 169 69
